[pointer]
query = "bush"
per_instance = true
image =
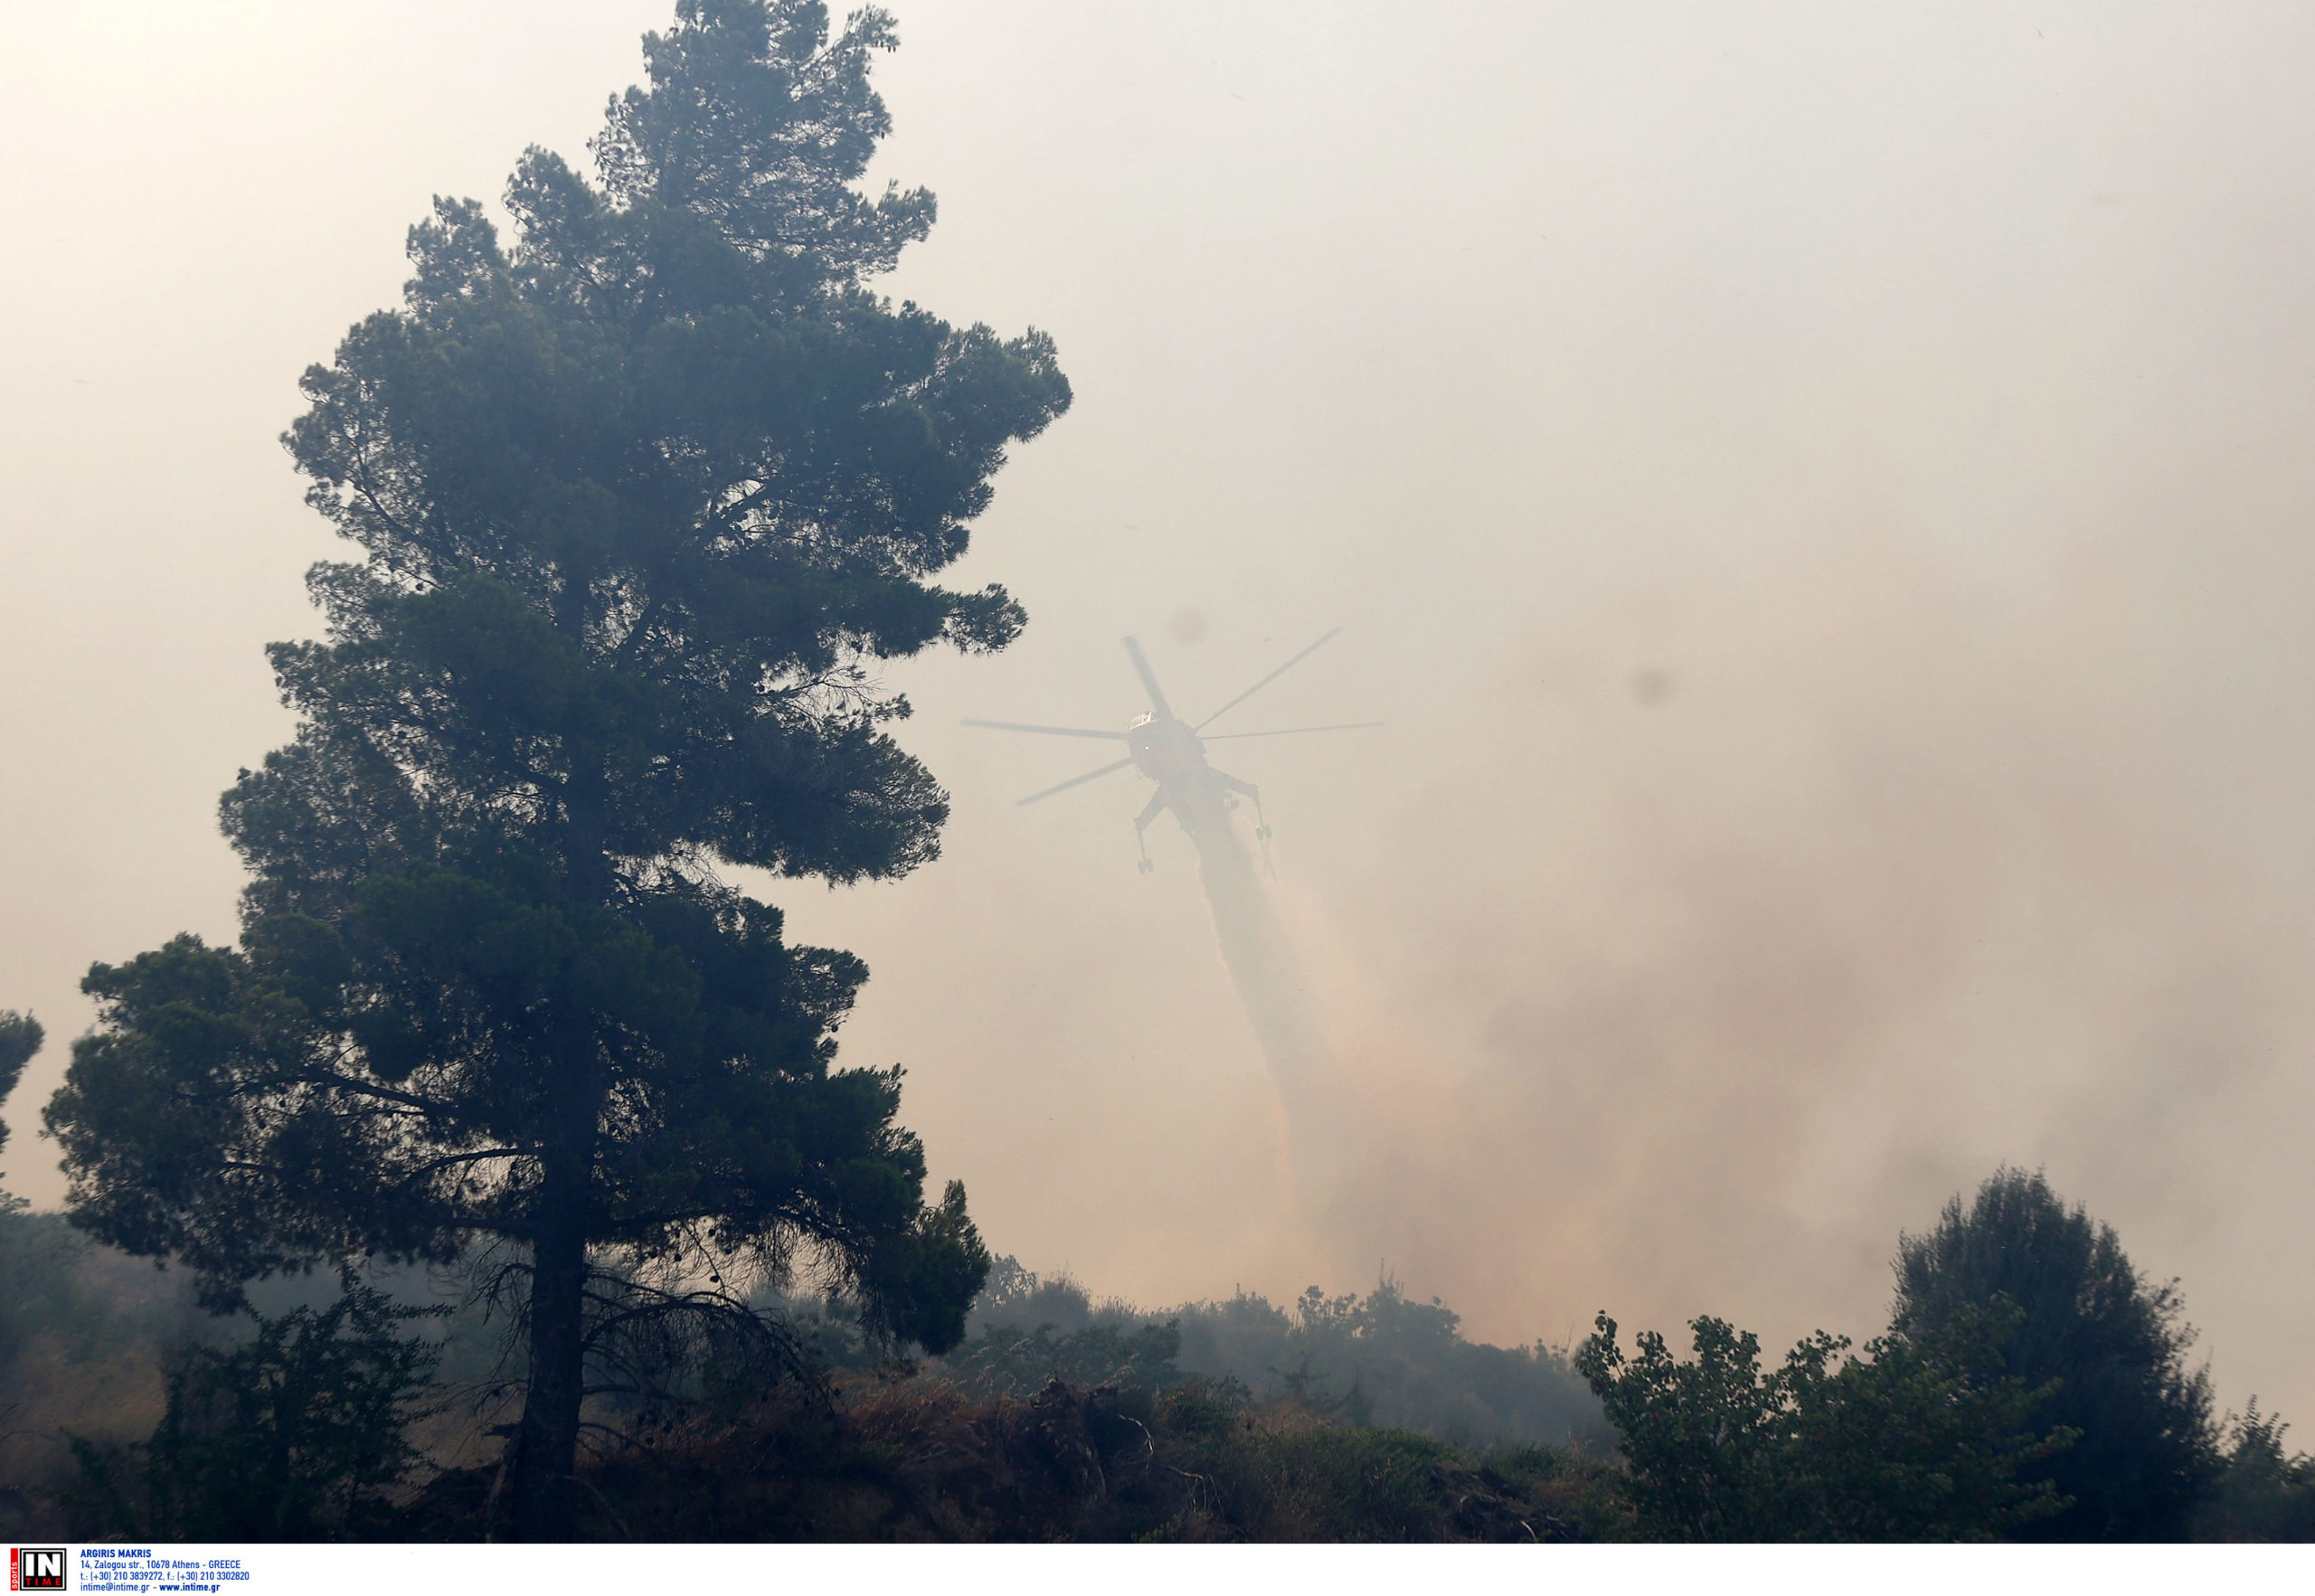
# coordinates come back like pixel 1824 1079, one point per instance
pixel 297 1434
pixel 1383 1359
pixel 1922 1437
pixel 2261 1493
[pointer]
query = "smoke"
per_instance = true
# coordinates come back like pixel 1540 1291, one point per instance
pixel 1267 976
pixel 1744 920
pixel 1694 933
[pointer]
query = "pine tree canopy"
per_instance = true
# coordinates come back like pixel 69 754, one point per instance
pixel 20 1038
pixel 2112 1346
pixel 643 499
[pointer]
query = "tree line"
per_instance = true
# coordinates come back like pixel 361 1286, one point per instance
pixel 2031 1386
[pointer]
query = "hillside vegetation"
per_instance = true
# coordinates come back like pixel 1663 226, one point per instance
pixel 379 1410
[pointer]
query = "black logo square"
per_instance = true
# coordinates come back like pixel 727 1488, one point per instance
pixel 36 1568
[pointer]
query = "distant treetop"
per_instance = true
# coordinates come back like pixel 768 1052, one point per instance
pixel 20 1038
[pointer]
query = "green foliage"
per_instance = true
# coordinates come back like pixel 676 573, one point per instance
pixel 2262 1493
pixel 297 1434
pixel 643 500
pixel 1325 1482
pixel 1922 1437
pixel 1013 1294
pixel 1579 1487
pixel 1390 1359
pixel 1281 1474
pixel 1382 1358
pixel 20 1038
pixel 2114 1345
pixel 1695 1436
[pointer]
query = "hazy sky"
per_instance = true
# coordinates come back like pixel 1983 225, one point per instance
pixel 1819 494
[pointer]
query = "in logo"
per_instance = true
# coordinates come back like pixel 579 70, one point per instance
pixel 36 1568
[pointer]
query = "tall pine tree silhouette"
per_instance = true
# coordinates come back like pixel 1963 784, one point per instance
pixel 642 500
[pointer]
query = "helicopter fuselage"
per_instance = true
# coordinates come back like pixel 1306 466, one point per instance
pixel 1165 750
pixel 1174 756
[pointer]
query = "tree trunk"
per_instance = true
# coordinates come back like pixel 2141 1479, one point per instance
pixel 547 1443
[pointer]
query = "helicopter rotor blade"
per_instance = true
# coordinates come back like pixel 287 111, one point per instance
pixel 1149 679
pixel 1267 680
pixel 1293 731
pixel 1049 731
pixel 1074 781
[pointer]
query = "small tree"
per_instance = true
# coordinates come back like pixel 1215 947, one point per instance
pixel 2113 1346
pixel 297 1434
pixel 643 501
pixel 1922 1437
pixel 1695 1436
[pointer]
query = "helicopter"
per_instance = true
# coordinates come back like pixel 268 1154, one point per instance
pixel 1171 752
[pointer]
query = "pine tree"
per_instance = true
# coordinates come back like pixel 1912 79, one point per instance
pixel 642 501
pixel 2114 1346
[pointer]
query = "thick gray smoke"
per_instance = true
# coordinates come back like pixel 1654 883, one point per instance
pixel 1802 896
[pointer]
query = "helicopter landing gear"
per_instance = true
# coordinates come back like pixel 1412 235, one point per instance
pixel 1261 821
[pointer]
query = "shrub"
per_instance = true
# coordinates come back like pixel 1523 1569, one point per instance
pixel 1922 1437
pixel 297 1434
pixel 2262 1493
